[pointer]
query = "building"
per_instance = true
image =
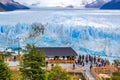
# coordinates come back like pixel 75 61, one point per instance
pixel 59 54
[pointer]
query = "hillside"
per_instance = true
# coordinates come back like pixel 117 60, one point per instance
pixel 10 5
pixel 115 4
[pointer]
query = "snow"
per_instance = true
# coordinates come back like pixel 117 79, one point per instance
pixel 55 3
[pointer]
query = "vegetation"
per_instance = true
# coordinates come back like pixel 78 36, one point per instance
pixel 32 67
pixel 116 62
pixel 107 62
pixel 116 73
pixel 16 75
pixel 116 76
pixel 57 73
pixel 33 64
pixel 7 54
pixel 74 77
pixel 5 73
pixel 77 76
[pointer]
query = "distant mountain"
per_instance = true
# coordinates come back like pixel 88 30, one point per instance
pixel 57 3
pixel 70 6
pixel 10 5
pixel 1 7
pixel 64 3
pixel 96 4
pixel 114 4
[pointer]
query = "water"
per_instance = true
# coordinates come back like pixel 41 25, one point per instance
pixel 95 32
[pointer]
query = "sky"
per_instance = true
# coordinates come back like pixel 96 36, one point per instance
pixel 53 2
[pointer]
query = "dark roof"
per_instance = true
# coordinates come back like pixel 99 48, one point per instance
pixel 58 51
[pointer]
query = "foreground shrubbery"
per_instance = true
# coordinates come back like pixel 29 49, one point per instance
pixel 116 76
pixel 116 62
pixel 16 75
pixel 33 64
pixel 57 73
pixel 32 68
pixel 5 73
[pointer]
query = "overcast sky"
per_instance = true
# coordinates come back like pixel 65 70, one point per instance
pixel 53 2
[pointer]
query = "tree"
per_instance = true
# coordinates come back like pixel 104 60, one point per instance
pixel 57 73
pixel 6 55
pixel 5 73
pixel 33 64
pixel 116 62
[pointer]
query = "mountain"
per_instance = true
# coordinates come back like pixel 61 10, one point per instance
pixel 1 7
pixel 114 4
pixel 10 5
pixel 96 4
pixel 55 3
pixel 69 6
pixel 64 3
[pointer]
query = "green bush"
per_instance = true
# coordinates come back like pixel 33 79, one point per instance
pixel 116 74
pixel 108 78
pixel 116 78
pixel 58 73
pixel 116 62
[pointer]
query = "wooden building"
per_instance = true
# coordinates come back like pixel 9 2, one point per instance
pixel 59 54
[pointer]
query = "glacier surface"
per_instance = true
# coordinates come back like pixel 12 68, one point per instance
pixel 94 32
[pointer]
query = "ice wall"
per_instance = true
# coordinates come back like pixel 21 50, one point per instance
pixel 84 39
pixel 95 33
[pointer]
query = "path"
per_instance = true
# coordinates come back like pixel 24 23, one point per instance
pixel 79 68
pixel 69 68
pixel 86 68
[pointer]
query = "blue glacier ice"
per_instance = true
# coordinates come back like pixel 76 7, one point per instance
pixel 94 32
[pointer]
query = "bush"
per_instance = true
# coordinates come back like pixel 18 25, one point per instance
pixel 116 78
pixel 58 73
pixel 116 62
pixel 116 73
pixel 5 73
pixel 16 75
pixel 108 78
pixel 33 64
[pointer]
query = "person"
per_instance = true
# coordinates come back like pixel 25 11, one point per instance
pixel 94 59
pixel 83 64
pixel 91 66
pixel 86 60
pixel 82 57
pixel 73 65
pixel 46 63
pixel 46 60
pixel 78 61
pixel 52 64
pixel 14 58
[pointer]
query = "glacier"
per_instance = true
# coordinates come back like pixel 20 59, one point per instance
pixel 95 32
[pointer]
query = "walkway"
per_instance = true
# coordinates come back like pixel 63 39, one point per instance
pixel 68 67
pixel 86 68
pixel 78 69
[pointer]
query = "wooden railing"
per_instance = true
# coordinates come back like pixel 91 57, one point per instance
pixel 102 70
pixel 61 61
pixel 85 75
pixel 95 75
pixel 11 58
